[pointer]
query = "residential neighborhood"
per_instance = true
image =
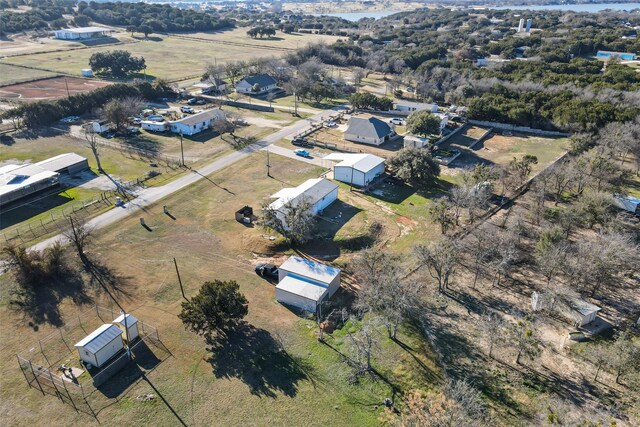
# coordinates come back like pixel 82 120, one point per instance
pixel 324 213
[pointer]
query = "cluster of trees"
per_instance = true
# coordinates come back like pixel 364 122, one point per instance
pixel 37 18
pixel 261 32
pixel 369 101
pixel 118 63
pixel 43 113
pixel 414 166
pixel 159 17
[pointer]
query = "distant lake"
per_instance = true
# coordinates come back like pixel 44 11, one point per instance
pixel 356 16
pixel 576 7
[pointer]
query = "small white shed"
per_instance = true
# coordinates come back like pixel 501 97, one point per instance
pixel 584 312
pixel 132 326
pixel 100 345
pixel 101 126
pixel 356 169
pixel 305 284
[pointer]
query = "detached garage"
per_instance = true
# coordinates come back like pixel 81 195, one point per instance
pixel 305 284
pixel 100 345
pixel 356 169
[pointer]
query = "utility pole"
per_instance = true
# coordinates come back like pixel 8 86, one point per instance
pixel 124 313
pixel 295 104
pixel 268 164
pixel 179 279
pixel 181 149
pixel 67 85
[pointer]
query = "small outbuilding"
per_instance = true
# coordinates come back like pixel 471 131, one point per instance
pixel 101 126
pixel 100 345
pixel 407 107
pixel 416 141
pixel 356 169
pixel 245 215
pixel 132 326
pixel 368 131
pixel 583 312
pixel 318 192
pixel 306 284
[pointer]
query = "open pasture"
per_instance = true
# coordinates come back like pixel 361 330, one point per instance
pixel 50 88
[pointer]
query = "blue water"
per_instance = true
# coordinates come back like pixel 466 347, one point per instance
pixel 355 16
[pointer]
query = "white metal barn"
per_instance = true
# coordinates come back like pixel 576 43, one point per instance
pixel 305 284
pixel 584 312
pixel 132 326
pixel 100 345
pixel 319 192
pixel 356 169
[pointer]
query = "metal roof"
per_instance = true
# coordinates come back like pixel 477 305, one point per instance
pixel 583 307
pixel 130 320
pixel 369 128
pixel 63 161
pixel 303 288
pixel 99 338
pixel 85 30
pixel 200 117
pixel 312 190
pixel 313 270
pixel 14 177
pixel 260 79
pixel 360 162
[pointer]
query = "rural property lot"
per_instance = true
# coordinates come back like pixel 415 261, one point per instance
pixel 188 55
pixel 50 88
pixel 248 378
pixel 11 74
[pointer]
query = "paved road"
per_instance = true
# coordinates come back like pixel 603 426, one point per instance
pixel 151 195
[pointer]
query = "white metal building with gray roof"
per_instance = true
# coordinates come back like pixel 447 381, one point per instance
pixel 306 284
pixel 100 345
pixel 357 169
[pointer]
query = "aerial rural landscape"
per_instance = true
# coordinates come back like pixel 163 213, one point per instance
pixel 330 213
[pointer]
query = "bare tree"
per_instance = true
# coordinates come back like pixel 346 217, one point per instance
pixel 362 344
pixel 504 256
pixel 79 234
pixel 383 289
pixel 523 337
pixel 551 252
pixel 478 246
pixel 493 327
pixel 599 355
pixel 91 137
pixel 441 259
pixel 440 213
pixel 293 220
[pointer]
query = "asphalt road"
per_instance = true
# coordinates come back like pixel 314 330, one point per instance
pixel 152 195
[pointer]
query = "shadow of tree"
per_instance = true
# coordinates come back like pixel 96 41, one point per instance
pixel 257 359
pixel 103 275
pixel 41 304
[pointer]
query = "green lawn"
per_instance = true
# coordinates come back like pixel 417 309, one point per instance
pixel 10 74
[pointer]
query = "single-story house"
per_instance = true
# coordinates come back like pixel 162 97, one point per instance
pixel 65 164
pixel 415 141
pixel 81 33
pixel 627 203
pixel 318 192
pixel 257 84
pixel 100 345
pixel 18 181
pixel 212 85
pixel 132 326
pixel 154 126
pixel 368 131
pixel 408 107
pixel 101 126
pixel 583 312
pixel 356 169
pixel 625 56
pixel 305 284
pixel 196 123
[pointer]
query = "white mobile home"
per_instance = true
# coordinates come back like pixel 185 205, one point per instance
pixel 356 169
pixel 100 345
pixel 154 126
pixel 196 123
pixel 408 107
pixel 305 284
pixel 318 192
pixel 132 326
pixel 368 131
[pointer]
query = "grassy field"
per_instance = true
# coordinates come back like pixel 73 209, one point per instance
pixel 10 74
pixel 210 48
pixel 248 379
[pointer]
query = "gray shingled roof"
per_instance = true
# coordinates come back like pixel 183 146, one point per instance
pixel 260 79
pixel 369 128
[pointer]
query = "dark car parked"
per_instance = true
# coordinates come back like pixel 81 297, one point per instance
pixel 269 271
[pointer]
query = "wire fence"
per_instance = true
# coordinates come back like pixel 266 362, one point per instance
pixel 43 364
